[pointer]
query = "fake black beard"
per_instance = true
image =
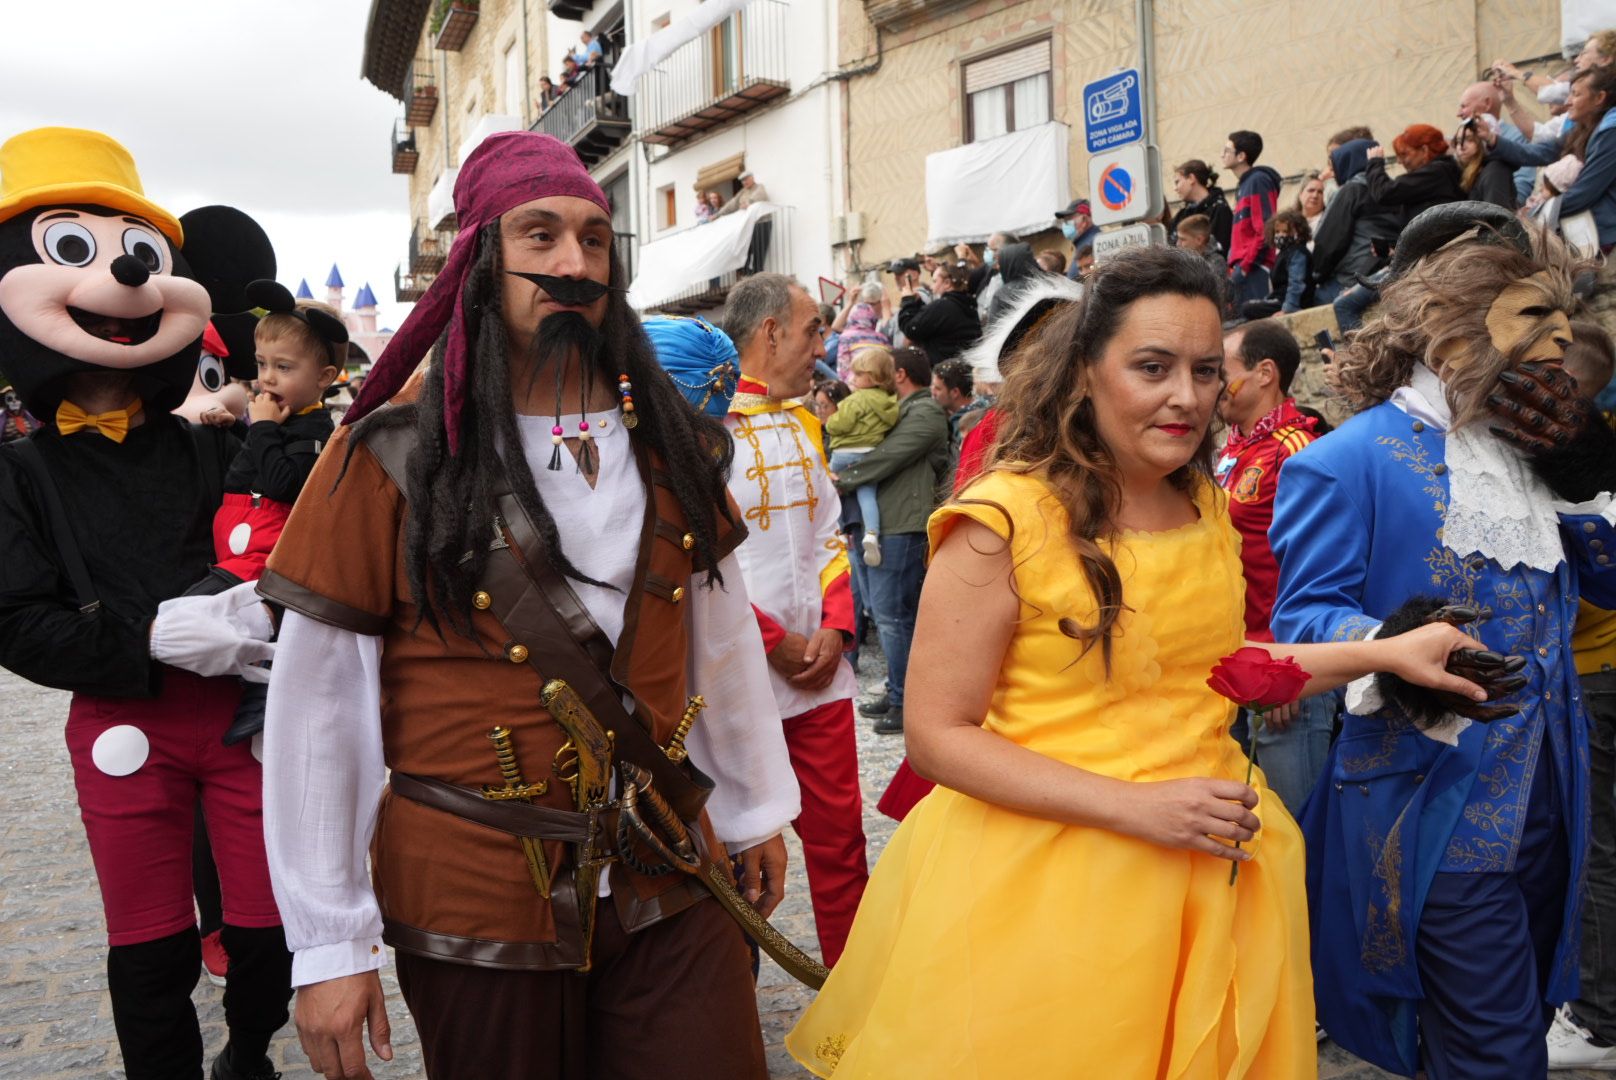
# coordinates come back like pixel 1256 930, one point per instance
pixel 562 290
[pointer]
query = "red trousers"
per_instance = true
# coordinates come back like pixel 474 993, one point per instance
pixel 824 755
pixel 139 766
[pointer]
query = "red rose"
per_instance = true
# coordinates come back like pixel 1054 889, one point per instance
pixel 1251 678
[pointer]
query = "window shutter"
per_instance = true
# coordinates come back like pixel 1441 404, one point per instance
pixel 1007 67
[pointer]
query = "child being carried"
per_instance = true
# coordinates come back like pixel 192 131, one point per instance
pixel 862 420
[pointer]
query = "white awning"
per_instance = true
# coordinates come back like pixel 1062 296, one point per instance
pixel 642 56
pixel 1014 183
pixel 440 207
pixel 691 257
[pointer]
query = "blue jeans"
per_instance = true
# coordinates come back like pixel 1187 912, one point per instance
pixel 894 597
pixel 1293 759
pixel 869 507
pixel 1252 285
pixel 1351 306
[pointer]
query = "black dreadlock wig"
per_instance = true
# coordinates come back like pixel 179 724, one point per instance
pixel 452 498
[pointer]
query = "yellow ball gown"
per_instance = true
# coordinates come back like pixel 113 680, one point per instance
pixel 994 944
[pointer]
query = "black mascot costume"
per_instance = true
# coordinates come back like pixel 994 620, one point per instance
pixel 105 521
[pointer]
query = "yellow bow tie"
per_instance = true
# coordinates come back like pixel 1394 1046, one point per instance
pixel 114 423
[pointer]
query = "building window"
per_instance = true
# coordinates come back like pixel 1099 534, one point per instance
pixel 1008 91
pixel 667 202
pixel 511 69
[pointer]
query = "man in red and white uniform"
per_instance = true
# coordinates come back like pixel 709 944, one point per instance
pixel 797 575
pixel 1265 428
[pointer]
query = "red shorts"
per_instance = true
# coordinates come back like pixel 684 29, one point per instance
pixel 245 529
pixel 140 765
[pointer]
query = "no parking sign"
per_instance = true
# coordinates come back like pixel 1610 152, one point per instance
pixel 1122 187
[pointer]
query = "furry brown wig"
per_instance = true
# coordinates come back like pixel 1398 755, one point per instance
pixel 1436 313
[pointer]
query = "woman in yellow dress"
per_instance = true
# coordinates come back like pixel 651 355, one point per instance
pixel 1060 906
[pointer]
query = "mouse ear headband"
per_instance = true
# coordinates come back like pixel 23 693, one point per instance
pixel 277 299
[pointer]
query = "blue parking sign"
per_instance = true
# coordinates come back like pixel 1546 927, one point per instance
pixel 1112 114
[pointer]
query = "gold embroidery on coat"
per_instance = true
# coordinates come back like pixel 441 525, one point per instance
pixel 747 430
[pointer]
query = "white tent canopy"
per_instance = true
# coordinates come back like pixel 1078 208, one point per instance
pixel 691 257
pixel 1014 183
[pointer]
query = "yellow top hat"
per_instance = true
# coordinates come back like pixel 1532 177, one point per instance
pixel 55 165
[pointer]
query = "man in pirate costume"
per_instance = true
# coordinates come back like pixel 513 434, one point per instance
pixel 547 631
pixel 105 515
pixel 1446 839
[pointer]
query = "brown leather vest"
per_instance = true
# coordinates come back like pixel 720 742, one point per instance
pixel 456 890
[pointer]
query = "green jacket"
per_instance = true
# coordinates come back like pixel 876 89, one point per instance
pixel 908 465
pixel 863 419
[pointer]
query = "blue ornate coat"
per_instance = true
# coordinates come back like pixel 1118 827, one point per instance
pixel 1357 532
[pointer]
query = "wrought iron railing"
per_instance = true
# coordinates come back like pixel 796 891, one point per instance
pixel 731 68
pixel 423 99
pixel 429 249
pixel 582 107
pixel 402 143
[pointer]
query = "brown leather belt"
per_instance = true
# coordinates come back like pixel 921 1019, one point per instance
pixel 516 818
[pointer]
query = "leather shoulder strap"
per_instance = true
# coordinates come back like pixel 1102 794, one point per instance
pixel 541 612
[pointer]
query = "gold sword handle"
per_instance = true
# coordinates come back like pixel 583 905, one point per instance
pixel 511 772
pixel 676 744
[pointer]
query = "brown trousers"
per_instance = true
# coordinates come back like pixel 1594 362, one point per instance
pixel 675 1001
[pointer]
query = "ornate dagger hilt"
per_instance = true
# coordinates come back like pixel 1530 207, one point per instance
pixel 676 745
pixel 510 771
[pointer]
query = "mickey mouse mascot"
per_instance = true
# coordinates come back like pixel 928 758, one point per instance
pixel 105 520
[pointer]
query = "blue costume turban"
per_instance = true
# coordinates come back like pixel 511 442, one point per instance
pixel 699 357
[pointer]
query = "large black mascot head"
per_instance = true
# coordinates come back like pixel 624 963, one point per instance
pixel 95 278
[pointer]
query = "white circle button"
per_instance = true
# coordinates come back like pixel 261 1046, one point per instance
pixel 239 537
pixel 120 750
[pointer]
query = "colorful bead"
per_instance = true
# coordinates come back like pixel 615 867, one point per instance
pixel 583 425
pixel 555 440
pixel 558 430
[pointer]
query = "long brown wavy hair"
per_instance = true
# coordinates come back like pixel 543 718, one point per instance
pixel 1046 419
pixel 1440 303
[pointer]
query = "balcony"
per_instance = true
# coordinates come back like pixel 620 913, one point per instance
pixel 405 155
pixel 429 249
pixel 452 22
pixel 440 207
pixel 684 272
pixel 893 15
pixel 588 117
pixel 570 9
pixel 737 66
pixel 423 101
pixel 407 287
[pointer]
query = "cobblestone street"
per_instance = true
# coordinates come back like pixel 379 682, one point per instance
pixel 55 1022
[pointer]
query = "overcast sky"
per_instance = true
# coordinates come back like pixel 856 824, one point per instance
pixel 250 103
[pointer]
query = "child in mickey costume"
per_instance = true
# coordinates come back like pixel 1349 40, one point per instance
pixel 105 518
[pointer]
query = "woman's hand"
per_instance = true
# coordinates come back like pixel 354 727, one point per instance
pixel 1425 657
pixel 1376 153
pixel 1187 814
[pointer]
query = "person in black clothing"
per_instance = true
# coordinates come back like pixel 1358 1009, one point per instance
pixel 1017 266
pixel 1430 176
pixel 105 515
pixel 1354 225
pixel 949 324
pixel 1290 285
pixel 1197 184
pixel 1482 177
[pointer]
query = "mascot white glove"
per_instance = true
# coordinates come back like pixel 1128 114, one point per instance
pixel 225 634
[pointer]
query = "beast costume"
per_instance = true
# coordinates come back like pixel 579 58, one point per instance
pixel 543 851
pixel 105 516
pixel 1445 855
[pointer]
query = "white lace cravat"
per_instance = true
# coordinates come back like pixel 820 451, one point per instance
pixel 1497 506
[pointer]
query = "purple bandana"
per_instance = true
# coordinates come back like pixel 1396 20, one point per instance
pixel 506 170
